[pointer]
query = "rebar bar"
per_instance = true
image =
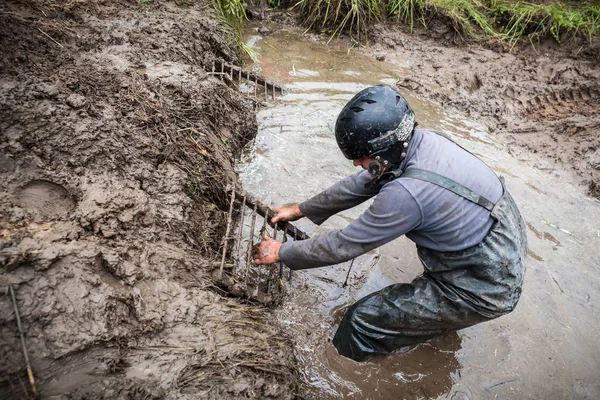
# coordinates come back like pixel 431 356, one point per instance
pixel 263 232
pixel 25 354
pixel 250 244
pixel 271 266
pixel 248 84
pixel 266 212
pixel 292 271
pixel 238 239
pixel 226 238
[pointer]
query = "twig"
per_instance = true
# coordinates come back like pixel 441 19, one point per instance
pixel 51 38
pixel 348 275
pixel 29 371
pixel 501 383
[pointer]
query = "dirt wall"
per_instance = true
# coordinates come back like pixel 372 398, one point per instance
pixel 116 147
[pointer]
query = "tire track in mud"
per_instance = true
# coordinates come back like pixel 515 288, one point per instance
pixel 553 104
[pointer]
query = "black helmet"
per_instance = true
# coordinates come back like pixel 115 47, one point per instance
pixel 376 123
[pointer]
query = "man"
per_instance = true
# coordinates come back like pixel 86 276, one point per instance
pixel 469 234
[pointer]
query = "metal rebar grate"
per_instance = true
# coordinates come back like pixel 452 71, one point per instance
pixel 262 282
pixel 248 82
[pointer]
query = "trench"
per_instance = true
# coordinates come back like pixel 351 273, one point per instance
pixel 295 156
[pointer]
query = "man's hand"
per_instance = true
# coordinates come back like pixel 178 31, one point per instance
pixel 267 251
pixel 291 213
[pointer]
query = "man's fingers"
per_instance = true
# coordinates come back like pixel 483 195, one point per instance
pixel 266 252
pixel 280 215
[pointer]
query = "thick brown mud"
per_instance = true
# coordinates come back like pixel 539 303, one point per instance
pixel 117 142
pixel 116 148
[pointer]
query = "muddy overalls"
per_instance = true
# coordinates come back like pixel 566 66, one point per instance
pixel 457 289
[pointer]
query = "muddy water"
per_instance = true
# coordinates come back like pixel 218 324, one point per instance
pixel 547 348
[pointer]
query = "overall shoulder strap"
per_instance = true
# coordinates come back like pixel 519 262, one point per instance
pixel 448 184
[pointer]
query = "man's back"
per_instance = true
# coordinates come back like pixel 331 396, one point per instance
pixel 447 221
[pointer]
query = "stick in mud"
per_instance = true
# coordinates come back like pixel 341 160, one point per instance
pixel 25 354
pixel 348 275
pixel 226 238
pixel 263 232
pixel 292 271
pixel 271 266
pixel 248 83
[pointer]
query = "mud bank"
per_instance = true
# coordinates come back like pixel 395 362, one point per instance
pixel 116 144
pixel 541 98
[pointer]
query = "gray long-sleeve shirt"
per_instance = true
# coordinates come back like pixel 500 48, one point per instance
pixel 427 214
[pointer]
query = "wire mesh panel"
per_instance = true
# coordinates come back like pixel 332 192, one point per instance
pixel 238 272
pixel 247 82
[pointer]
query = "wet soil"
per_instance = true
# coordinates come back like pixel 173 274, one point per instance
pixel 116 148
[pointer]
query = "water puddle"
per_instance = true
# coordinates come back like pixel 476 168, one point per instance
pixel 295 156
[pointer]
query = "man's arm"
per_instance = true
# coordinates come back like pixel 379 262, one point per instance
pixel 393 213
pixel 345 194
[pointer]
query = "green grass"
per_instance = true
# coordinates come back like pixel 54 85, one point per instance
pixel 232 15
pixel 407 11
pixel 336 16
pixel 465 13
pixel 556 19
pixel 503 19
pixel 507 20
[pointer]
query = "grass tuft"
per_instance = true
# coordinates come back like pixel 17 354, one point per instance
pixel 507 20
pixel 553 20
pixel 465 13
pixel 336 16
pixel 232 15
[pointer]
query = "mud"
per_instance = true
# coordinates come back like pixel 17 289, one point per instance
pixel 116 147
pixel 117 142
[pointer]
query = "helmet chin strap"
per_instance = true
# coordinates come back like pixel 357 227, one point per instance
pixel 383 171
pixel 376 168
